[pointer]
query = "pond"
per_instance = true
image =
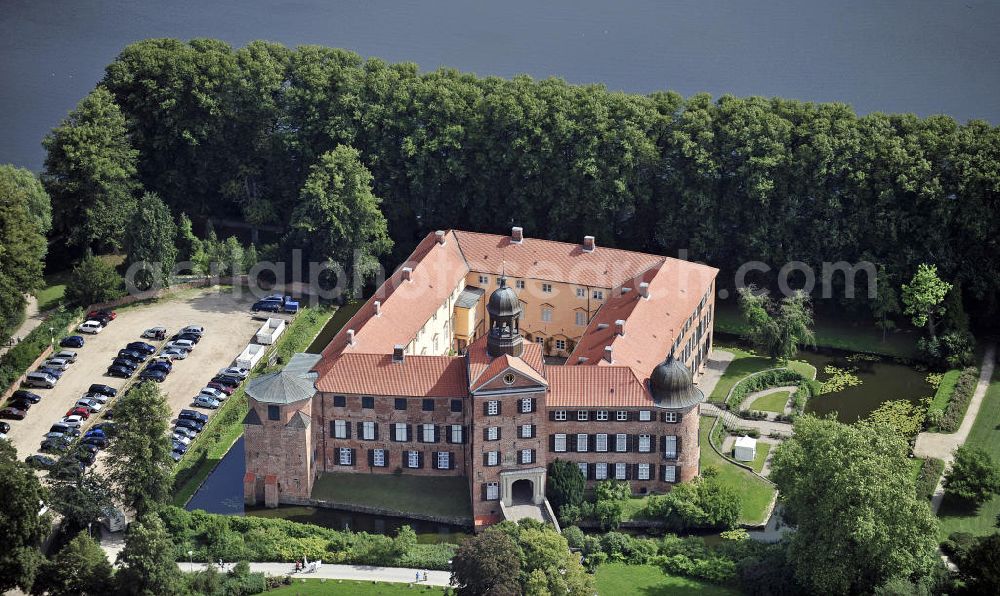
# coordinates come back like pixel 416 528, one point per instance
pixel 222 492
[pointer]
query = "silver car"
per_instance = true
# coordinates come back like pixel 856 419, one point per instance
pixel 67 355
pixel 204 401
pixel 57 363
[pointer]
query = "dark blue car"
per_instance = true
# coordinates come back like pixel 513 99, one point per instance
pixel 153 375
pixel 50 371
pixel 103 390
pixel 141 346
pixel 73 341
pixel 266 305
pixel 119 371
pixel 161 365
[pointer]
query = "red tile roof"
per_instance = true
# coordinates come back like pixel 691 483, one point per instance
pixel 377 374
pixel 480 362
pixel 595 386
pixel 534 258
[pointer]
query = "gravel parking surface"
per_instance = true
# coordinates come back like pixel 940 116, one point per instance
pixel 229 327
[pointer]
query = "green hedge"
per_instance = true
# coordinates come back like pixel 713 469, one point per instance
pixel 930 473
pixel 15 362
pixel 248 538
pixel 960 398
pixel 767 379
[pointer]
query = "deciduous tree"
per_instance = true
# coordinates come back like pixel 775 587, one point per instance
pixel 94 280
pixel 139 466
pixel 489 563
pixel 23 247
pixel 974 476
pixel 80 568
pixel 923 297
pixel 148 567
pixel 149 244
pixel 22 525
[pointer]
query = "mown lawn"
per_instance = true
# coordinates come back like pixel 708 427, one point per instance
pixel 354 588
pixel 772 402
pixel 756 492
pixel 985 435
pixel 758 462
pixel 617 578
pixel 433 495
pixel 746 362
pixel 944 390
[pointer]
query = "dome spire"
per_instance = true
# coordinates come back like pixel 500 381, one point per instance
pixel 504 308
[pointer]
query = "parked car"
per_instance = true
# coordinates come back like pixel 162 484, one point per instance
pixel 176 456
pixel 160 365
pixel 27 396
pixel 133 355
pixel 63 429
pixel 92 405
pixel 13 414
pixel 80 411
pixel 40 379
pixel 213 393
pixel 194 425
pixel 92 327
pixel 96 441
pixel 174 354
pixel 228 390
pixel 57 363
pixel 180 438
pixel 194 415
pixel 141 346
pixel 102 313
pixel 125 362
pixel 72 341
pixel 231 380
pixel 184 344
pixel 73 421
pixel 157 333
pixel 40 462
pixel 52 372
pixel 204 401
pixel 88 447
pixel 191 337
pixel 153 375
pixel 105 428
pixel 98 397
pixel 266 305
pixel 4 427
pixel 120 371
pixel 20 404
pixel 57 445
pixel 198 329
pixel 85 457
pixel 103 389
pixel 236 371
pixel 67 355
pixel 179 447
pixel 180 431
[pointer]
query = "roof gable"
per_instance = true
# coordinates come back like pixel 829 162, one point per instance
pixel 493 377
pixel 377 374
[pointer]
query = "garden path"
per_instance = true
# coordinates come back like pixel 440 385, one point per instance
pixel 32 319
pixel 401 575
pixel 765 427
pixel 943 445
pixel 718 362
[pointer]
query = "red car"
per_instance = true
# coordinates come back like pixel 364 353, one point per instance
pixel 12 413
pixel 223 388
pixel 96 314
pixel 79 411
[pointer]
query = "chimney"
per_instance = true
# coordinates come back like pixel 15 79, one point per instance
pixel 607 354
pixel 582 360
pixel 620 327
pixel 439 236
pixel 378 308
pixel 588 244
pixel 350 337
pixel 517 234
pixel 407 273
pixel 397 353
pixel 626 290
pixel 644 290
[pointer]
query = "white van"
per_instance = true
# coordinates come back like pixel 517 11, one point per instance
pixel 184 344
pixel 38 379
pixel 92 327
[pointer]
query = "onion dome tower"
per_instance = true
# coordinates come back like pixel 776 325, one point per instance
pixel 672 386
pixel 505 311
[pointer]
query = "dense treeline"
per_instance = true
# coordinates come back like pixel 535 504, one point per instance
pixel 227 132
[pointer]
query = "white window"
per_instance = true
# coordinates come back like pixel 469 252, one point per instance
pixel 560 344
pixel 340 429
pixel 546 314
pixel 601 471
pixel 412 459
pixel 519 284
pixel 539 340
pixel 644 444
pixel 619 471
pixel 435 341
pixel 581 442
pixel 582 415
pixel 602 415
pixel 399 432
pixel 645 415
pixel 344 456
pixel 581 318
pixel 493 433
pixel 581 293
pixel 443 460
pixel 621 442
pixel 670 416
pixel 643 472
pixel 427 433
pixel 560 415
pixel 598 294
pixel 492 491
pixel 483 280
pixel 378 458
pixel 492 458
pixel 601 442
pixel 526 457
pixel 527 431
pixel 670 447
pixel 621 416
pixel 492 407
pixel 456 433
pixel 368 431
pixel 670 473
pixel 583 467
pixel 526 405
pixel 559 444
pixel 547 288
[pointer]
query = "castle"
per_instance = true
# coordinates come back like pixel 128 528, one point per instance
pixel 487 357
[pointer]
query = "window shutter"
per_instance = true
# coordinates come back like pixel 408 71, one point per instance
pixel 376 431
pixel 499 433
pixel 534 404
pixel 451 461
pixel 499 407
pixel 663 473
pixel 533 431
pixel 353 452
pixel 434 460
pixel 347 429
pixel 570 443
pixel 333 429
pixel 486 412
pixel 420 459
pixel 409 432
pixel 483 491
pixel 486 433
pixel 437 434
pixel 533 460
pixel 679 417
pixel 590 471
pixel 678 447
pixel 465 433
pixel 371 458
pixel 552 415
pixel 361 430
pixel 486 459
pixel 552 443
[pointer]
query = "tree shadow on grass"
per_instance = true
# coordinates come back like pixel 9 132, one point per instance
pixel 952 506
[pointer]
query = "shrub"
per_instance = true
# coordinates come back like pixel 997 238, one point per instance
pixel 613 490
pixel 609 513
pixel 704 503
pixel 763 380
pixel 17 360
pixel 973 476
pixel 752 414
pixel 574 536
pixel 570 514
pixel 930 473
pixel 960 398
pixel 564 484
pixel 93 281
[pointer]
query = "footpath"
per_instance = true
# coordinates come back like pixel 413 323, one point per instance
pixel 400 575
pixel 32 319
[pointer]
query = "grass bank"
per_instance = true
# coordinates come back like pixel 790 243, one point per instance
pixel 985 435
pixel 446 496
pixel 648 580
pixel 772 402
pixel 306 587
pixel 226 426
pixel 746 362
pixel 757 493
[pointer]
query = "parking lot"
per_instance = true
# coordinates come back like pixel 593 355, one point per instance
pixel 228 324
